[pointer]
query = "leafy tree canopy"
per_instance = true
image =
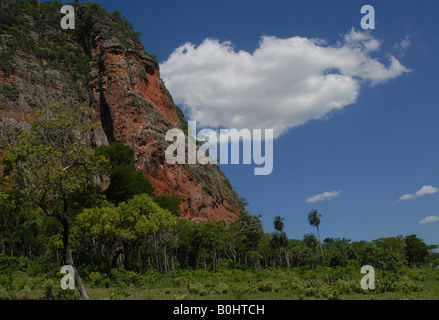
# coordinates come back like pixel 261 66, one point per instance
pixel 125 181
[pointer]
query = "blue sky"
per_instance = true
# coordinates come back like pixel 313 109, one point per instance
pixel 380 143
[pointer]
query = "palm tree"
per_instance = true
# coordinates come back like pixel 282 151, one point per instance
pixel 279 223
pixel 279 226
pixel 314 220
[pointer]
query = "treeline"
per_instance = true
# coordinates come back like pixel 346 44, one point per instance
pixel 178 243
pixel 63 202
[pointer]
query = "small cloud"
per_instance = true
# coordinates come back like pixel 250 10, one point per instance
pixel 422 192
pixel 426 190
pixel 429 219
pixel 402 46
pixel 407 197
pixel 323 196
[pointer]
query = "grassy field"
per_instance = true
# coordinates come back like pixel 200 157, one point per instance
pixel 294 284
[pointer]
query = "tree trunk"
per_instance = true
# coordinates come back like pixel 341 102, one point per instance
pixel 218 262
pixel 115 258
pixel 321 249
pixel 126 255
pixel 165 259
pixel 214 260
pixel 287 258
pixel 69 259
pixel 156 248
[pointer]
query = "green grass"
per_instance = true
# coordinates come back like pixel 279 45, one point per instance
pixel 295 284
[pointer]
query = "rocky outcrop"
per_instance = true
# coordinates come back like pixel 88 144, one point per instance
pixel 104 65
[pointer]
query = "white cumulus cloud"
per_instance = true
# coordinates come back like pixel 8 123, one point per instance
pixel 323 196
pixel 282 84
pixel 429 219
pixel 421 192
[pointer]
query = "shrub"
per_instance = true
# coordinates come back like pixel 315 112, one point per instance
pixel 19 280
pixel 238 292
pixel 151 277
pixel 311 291
pixel 265 286
pixel 5 61
pixel 194 288
pixel 297 286
pixel 37 283
pixel 180 281
pixel 221 288
pixel 347 287
pixel 118 293
pixel 405 284
pixel 53 291
pixel 335 295
pixel 97 279
pixel 25 293
pixel 180 297
pixel 209 284
pixel 203 292
pixel 172 204
pixel 125 181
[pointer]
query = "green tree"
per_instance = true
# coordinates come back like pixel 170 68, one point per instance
pixel 264 248
pixel 170 203
pixel 416 250
pixel 303 255
pixel 51 166
pixel 311 242
pixel 314 220
pixel 336 251
pixel 213 237
pixel 187 249
pixel 122 227
pixel 250 229
pixel 24 230
pixel 282 238
pixel 396 245
pixel 125 181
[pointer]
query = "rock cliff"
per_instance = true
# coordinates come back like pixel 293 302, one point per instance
pixel 103 64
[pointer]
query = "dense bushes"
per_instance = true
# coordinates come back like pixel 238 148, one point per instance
pixel 321 283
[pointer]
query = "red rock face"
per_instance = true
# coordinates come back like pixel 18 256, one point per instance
pixel 134 108
pixel 132 104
